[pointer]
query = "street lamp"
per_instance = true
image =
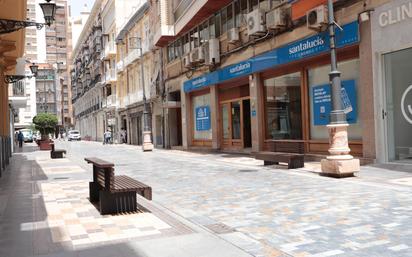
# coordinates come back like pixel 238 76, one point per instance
pixel 339 163
pixel 147 133
pixel 49 10
pixel 14 78
pixel 8 26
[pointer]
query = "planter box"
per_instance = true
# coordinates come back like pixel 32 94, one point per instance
pixel 45 145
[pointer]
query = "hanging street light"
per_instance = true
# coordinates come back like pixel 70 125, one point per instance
pixel 49 10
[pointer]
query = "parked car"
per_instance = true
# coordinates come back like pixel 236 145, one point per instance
pixel 27 135
pixel 73 135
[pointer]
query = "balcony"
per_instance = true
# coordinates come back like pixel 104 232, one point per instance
pixel 111 101
pixel 119 66
pixel 110 76
pixel 109 51
pixel 131 57
pixel 17 95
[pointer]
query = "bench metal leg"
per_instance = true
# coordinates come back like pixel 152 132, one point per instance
pixel 296 163
pixel 269 163
pixel 94 192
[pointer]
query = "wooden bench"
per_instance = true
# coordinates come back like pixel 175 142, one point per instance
pixel 115 194
pixel 290 152
pixel 56 153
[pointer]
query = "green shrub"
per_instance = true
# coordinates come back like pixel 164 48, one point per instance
pixel 45 123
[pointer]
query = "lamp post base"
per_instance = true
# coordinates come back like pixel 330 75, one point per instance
pixel 339 163
pixel 147 141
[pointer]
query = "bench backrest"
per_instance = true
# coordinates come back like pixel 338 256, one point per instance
pixel 103 172
pixel 288 147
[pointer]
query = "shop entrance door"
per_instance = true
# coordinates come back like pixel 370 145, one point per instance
pixel 398 113
pixel 236 126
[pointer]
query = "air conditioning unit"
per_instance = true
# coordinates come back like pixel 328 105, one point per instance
pixel 317 17
pixel 233 35
pixel 212 52
pixel 256 22
pixel 201 54
pixel 276 19
pixel 186 61
pixel 194 56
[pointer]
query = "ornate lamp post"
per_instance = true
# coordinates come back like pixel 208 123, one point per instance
pixel 339 163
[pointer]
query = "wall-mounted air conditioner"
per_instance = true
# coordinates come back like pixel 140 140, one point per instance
pixel 186 61
pixel 212 50
pixel 317 17
pixel 233 35
pixel 256 22
pixel 276 18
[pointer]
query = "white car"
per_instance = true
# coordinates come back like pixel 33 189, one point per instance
pixel 74 135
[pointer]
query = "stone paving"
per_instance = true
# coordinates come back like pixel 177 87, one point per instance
pixel 270 211
pixel 45 211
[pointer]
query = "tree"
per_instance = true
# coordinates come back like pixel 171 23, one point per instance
pixel 45 123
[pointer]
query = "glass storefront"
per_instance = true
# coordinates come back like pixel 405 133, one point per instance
pixel 398 86
pixel 319 99
pixel 283 107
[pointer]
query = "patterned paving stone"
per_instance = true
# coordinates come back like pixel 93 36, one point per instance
pixel 307 214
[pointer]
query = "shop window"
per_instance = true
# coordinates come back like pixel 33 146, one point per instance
pixel 283 107
pixel 202 129
pixel 319 99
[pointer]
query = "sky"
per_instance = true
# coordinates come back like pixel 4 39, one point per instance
pixel 77 6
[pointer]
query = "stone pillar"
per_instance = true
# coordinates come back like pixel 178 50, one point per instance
pixel 186 133
pixel 256 111
pixel 215 116
pixel 339 163
pixel 366 91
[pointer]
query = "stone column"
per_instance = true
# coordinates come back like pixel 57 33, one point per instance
pixel 215 116
pixel 186 133
pixel 256 111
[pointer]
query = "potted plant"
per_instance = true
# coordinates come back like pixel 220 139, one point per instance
pixel 46 124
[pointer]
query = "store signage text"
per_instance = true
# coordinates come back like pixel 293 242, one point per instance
pixel 202 118
pixel 322 102
pixel 311 46
pixel 306 45
pixel 396 15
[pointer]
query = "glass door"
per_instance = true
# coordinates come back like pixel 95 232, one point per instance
pixel 398 87
pixel 232 125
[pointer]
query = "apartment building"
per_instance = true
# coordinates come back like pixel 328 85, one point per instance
pixel 252 75
pixel 48 97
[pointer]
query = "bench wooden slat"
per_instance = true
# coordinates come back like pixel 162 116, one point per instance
pixel 99 162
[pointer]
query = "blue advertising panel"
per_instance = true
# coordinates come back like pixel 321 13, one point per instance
pixel 322 102
pixel 308 47
pixel 202 118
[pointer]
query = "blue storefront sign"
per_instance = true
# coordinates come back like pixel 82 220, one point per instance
pixel 322 102
pixel 202 118
pixel 294 51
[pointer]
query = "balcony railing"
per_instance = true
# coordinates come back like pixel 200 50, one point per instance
pixel 110 76
pixel 119 66
pixel 109 50
pixel 131 57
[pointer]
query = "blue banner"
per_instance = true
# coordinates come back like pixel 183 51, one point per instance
pixel 202 118
pixel 322 102
pixel 308 47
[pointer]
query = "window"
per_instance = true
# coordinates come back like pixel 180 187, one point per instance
pixel 223 18
pixel 230 17
pixel 319 77
pixel 283 107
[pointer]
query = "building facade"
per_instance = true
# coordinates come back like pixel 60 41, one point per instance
pixel 391 45
pixel 11 48
pixel 253 75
